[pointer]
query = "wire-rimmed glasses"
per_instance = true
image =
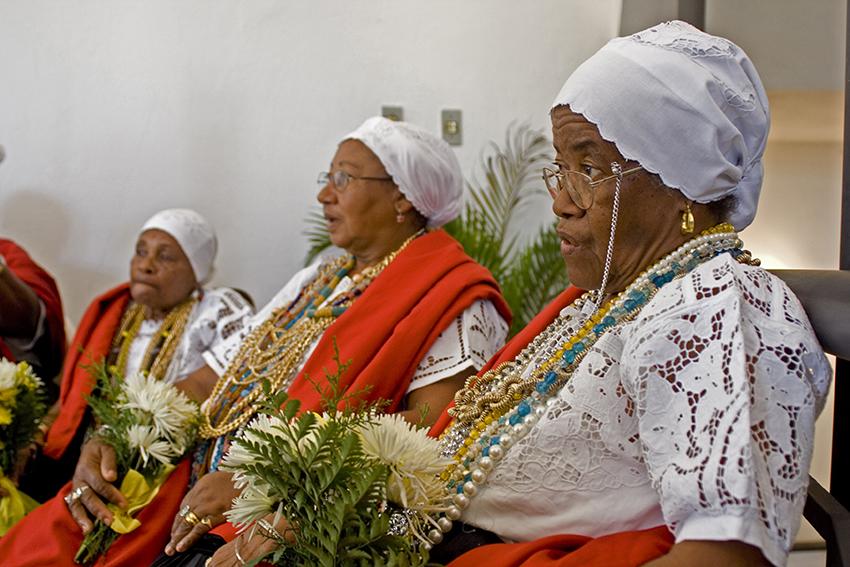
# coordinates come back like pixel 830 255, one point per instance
pixel 580 186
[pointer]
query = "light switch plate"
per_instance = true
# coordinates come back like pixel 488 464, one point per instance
pixel 452 126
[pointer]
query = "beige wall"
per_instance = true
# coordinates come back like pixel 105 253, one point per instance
pixel 797 225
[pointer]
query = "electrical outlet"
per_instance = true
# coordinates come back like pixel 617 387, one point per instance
pixel 394 113
pixel 452 126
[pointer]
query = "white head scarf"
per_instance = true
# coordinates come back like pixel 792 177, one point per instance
pixel 686 105
pixel 423 166
pixel 193 233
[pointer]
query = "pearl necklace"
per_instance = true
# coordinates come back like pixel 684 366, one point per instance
pixel 499 408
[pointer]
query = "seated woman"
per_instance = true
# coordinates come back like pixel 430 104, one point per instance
pixel 160 322
pixel 668 416
pixel 409 311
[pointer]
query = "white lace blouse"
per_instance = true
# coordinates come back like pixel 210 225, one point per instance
pixel 468 341
pixel 698 414
pixel 219 315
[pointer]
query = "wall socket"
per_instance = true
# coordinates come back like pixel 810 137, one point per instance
pixel 394 113
pixel 452 126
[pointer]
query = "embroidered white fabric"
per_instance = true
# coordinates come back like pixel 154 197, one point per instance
pixel 470 340
pixel 698 414
pixel 218 316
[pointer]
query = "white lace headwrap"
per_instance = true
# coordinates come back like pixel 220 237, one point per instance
pixel 423 166
pixel 193 233
pixel 686 105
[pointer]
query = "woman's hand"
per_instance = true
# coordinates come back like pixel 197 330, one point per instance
pixel 92 483
pixel 254 543
pixel 201 510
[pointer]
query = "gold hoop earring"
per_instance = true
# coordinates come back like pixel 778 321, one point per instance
pixel 687 219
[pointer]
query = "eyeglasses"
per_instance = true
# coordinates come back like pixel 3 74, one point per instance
pixel 580 186
pixel 340 178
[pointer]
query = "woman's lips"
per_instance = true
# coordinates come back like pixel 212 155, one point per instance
pixel 568 245
pixel 567 248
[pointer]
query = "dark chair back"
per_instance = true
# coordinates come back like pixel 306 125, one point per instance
pixel 825 295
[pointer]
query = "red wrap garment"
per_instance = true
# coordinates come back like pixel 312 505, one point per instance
pixel 626 549
pixel 34 276
pixel 385 334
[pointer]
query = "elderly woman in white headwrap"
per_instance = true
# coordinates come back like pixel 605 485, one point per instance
pixel 672 408
pixel 160 322
pixel 409 311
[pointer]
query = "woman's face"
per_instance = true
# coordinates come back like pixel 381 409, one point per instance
pixel 361 215
pixel 160 273
pixel 649 220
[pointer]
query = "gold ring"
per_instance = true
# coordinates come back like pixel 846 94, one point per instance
pixel 190 518
pixel 207 522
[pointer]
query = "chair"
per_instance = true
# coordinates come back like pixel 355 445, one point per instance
pixel 825 295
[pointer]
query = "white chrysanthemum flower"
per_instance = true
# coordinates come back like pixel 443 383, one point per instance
pixel 8 374
pixel 160 404
pixel 413 458
pixel 142 438
pixel 252 504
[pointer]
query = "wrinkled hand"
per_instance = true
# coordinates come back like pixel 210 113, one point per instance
pixel 250 545
pixel 208 500
pixel 95 469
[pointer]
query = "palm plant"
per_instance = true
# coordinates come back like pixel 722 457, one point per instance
pixel 529 267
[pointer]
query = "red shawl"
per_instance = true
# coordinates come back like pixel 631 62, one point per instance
pixel 626 549
pixel 90 346
pixel 19 263
pixel 390 328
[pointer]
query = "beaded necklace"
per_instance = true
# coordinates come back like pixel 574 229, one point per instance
pixel 162 346
pixel 495 410
pixel 274 350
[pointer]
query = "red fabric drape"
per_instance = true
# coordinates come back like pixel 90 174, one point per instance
pixel 49 536
pixel 90 346
pixel 626 549
pixel 44 286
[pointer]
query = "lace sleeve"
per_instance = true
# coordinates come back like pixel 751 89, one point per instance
pixel 221 315
pixel 728 380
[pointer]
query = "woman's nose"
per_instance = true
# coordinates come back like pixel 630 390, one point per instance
pixel 326 193
pixel 563 206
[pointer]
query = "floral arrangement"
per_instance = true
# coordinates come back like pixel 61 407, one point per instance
pixel 151 425
pixel 342 480
pixel 22 407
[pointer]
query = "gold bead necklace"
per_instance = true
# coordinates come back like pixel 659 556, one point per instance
pixel 274 350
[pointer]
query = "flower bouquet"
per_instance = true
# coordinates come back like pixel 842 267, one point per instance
pixel 356 487
pixel 22 407
pixel 150 424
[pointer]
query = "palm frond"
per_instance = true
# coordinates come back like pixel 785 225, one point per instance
pixel 536 276
pixel 317 235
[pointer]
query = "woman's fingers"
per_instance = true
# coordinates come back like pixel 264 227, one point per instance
pixel 78 512
pixel 192 536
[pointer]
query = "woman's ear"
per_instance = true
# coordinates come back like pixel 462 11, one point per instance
pixel 401 205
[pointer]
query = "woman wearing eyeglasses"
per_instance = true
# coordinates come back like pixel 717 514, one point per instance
pixel 409 312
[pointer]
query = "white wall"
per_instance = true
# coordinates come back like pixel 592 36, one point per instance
pixel 111 110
